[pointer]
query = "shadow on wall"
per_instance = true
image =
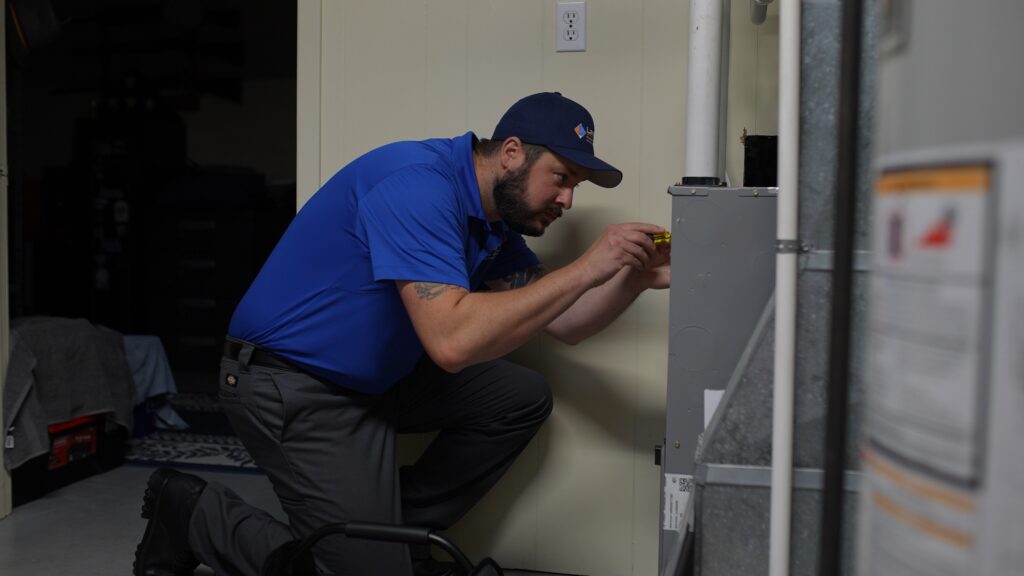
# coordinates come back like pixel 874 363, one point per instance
pixel 593 427
pixel 593 400
pixel 571 235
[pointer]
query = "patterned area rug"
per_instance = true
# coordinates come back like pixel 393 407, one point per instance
pixel 209 442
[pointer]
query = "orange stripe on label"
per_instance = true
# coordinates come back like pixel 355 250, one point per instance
pixel 958 180
pixel 926 525
pixel 918 487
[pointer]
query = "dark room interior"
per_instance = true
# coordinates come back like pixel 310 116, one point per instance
pixel 152 160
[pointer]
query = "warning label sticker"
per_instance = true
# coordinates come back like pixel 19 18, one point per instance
pixel 928 286
pixel 930 223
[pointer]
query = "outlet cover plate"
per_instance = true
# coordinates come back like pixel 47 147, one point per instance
pixel 571 26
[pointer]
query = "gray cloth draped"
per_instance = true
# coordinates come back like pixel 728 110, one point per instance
pixel 60 369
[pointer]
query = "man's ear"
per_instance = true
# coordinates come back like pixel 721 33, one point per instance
pixel 512 153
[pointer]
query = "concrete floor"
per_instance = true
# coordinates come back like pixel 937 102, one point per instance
pixel 91 528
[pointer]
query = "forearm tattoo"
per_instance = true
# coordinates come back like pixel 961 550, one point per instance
pixel 523 277
pixel 431 290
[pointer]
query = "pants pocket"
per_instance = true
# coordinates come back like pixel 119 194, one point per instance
pixel 227 391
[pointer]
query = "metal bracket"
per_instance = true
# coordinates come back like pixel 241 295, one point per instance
pixel 761 477
pixel 687 191
pixel 787 246
pixel 761 193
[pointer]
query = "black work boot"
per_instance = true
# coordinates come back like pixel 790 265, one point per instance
pixel 170 498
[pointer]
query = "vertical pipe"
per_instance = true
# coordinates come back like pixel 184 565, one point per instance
pixel 723 97
pixel 785 286
pixel 842 289
pixel 703 81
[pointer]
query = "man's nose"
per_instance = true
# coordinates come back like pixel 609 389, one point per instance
pixel 565 197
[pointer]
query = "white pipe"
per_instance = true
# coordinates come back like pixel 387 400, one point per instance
pixel 703 86
pixel 723 91
pixel 785 287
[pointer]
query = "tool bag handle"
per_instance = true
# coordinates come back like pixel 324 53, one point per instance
pixel 294 558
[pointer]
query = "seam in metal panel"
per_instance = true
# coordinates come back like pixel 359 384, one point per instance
pixel 761 476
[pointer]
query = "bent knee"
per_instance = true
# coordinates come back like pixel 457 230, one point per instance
pixel 533 394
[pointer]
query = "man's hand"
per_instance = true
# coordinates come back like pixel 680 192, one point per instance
pixel 658 273
pixel 625 262
pixel 619 246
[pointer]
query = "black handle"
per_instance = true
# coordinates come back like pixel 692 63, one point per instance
pixel 388 532
pixel 297 552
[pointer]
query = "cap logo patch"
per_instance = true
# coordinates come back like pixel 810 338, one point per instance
pixel 584 132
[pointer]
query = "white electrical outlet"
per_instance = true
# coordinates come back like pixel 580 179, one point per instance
pixel 571 26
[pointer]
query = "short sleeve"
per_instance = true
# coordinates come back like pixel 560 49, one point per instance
pixel 415 228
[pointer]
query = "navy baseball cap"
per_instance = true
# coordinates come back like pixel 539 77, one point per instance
pixel 551 120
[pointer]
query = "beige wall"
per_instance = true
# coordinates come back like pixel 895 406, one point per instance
pixel 584 497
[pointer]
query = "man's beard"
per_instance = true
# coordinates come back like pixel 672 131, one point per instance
pixel 510 199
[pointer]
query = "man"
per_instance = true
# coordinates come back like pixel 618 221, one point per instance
pixel 386 307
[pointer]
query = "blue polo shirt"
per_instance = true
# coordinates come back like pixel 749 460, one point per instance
pixel 326 297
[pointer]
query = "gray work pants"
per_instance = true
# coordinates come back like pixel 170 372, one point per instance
pixel 330 455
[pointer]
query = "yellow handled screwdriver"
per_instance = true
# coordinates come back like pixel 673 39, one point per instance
pixel 662 238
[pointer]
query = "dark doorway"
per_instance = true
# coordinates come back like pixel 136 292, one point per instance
pixel 152 160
